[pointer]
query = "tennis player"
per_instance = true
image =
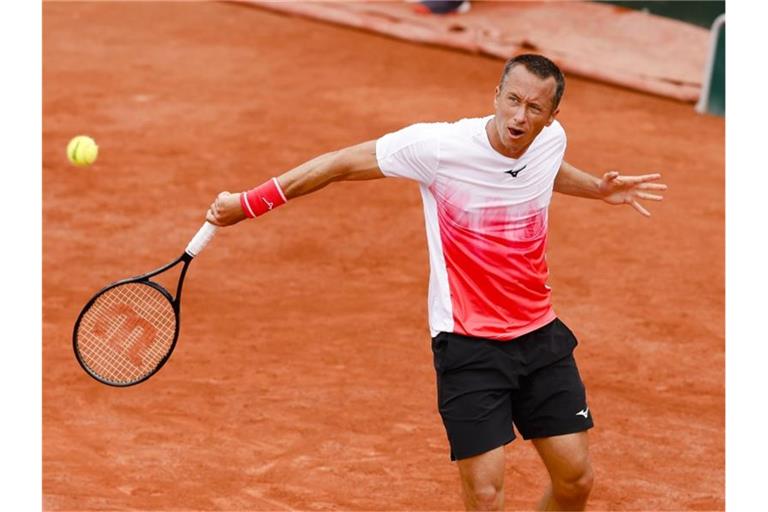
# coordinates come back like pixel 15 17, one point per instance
pixel 501 355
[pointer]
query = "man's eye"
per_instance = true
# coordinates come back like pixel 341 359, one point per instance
pixel 514 99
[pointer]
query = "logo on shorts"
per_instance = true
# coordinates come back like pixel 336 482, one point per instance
pixel 584 413
pixel 514 172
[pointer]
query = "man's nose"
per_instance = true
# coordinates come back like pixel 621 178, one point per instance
pixel 518 116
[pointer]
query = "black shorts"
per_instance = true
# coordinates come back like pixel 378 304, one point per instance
pixel 485 386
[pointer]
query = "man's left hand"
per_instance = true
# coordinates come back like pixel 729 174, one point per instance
pixel 617 189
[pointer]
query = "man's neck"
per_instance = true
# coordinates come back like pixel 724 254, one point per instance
pixel 495 141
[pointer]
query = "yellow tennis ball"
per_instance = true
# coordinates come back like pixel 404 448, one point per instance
pixel 82 150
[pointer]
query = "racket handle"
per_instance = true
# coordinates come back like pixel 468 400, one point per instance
pixel 201 239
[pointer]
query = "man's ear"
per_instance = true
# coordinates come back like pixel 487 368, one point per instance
pixel 496 98
pixel 552 116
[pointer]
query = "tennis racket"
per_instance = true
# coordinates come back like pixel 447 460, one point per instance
pixel 127 331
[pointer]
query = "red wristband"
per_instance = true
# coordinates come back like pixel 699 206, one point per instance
pixel 262 199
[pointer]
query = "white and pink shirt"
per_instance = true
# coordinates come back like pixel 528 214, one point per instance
pixel 486 220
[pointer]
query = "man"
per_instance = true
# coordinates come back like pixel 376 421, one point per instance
pixel 501 355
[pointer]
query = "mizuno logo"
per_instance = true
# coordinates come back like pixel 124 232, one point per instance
pixel 514 172
pixel 269 205
pixel 584 413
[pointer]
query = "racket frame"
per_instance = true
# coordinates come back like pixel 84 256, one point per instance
pixel 145 279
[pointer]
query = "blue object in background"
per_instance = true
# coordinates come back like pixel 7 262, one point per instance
pixel 445 6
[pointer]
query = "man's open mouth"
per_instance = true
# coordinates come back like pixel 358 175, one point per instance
pixel 516 133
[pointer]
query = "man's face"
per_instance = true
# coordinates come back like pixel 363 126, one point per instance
pixel 523 108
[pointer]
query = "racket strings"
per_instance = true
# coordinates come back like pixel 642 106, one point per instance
pixel 126 332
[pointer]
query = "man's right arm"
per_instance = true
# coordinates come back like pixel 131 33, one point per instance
pixel 352 163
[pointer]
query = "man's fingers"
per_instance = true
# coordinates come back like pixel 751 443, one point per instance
pixel 652 197
pixel 210 217
pixel 637 206
pixel 652 186
pixel 633 180
pixel 610 176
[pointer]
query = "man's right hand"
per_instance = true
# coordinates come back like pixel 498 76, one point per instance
pixel 225 210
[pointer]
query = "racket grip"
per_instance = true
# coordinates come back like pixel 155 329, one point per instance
pixel 201 239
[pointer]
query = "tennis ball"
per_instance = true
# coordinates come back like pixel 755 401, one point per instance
pixel 82 150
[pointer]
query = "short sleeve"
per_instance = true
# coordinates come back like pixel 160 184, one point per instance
pixel 558 144
pixel 549 148
pixel 412 152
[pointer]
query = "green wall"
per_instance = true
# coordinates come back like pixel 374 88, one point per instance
pixel 697 12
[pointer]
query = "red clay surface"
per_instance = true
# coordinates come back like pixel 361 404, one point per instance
pixel 303 376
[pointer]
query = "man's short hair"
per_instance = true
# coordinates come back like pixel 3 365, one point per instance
pixel 540 66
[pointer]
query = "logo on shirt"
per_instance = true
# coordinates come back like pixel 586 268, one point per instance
pixel 584 413
pixel 513 172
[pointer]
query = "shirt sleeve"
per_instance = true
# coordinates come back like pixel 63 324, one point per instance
pixel 413 153
pixel 552 149
pixel 561 142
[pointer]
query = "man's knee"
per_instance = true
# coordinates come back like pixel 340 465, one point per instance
pixel 484 497
pixel 576 487
pixel 482 479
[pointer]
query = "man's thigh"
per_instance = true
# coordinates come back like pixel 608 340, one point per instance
pixel 552 401
pixel 474 396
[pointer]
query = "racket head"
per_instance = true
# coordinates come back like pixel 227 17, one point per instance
pixel 126 332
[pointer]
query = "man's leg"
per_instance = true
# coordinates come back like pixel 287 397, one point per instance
pixel 482 480
pixel 473 392
pixel 570 471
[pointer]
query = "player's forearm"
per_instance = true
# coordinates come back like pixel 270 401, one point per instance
pixel 310 176
pixel 574 182
pixel 353 163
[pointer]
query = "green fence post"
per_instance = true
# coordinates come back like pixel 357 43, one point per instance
pixel 712 99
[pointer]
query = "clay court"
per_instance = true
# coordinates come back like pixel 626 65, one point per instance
pixel 303 376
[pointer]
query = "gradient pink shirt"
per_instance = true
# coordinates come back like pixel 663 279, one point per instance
pixel 486 221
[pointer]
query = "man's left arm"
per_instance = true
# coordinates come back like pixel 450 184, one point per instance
pixel 613 188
